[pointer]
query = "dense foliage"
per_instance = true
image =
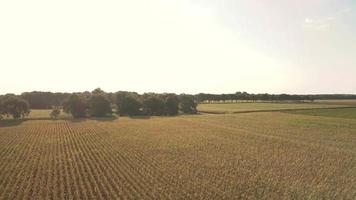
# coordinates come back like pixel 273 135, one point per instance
pixel 76 105
pixel 171 104
pixel 244 96
pixel 99 106
pixel 11 105
pixel 44 100
pixel 188 104
pixel 153 105
pixel 130 103
pixel 99 103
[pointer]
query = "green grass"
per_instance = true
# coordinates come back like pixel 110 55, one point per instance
pixel 338 113
pixel 45 114
pixel 245 107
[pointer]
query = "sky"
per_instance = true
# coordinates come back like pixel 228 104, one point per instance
pixel 181 46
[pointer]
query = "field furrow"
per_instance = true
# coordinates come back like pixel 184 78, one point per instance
pixel 249 156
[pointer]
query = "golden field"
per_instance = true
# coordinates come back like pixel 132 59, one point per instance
pixel 225 108
pixel 245 156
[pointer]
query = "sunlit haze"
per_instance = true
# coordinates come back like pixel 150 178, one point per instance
pixel 182 46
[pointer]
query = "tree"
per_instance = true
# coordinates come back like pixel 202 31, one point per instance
pixel 99 105
pixel 14 106
pixel 39 100
pixel 1 109
pixel 172 104
pixel 153 105
pixel 98 91
pixel 56 112
pixel 187 104
pixel 128 103
pixel 76 105
pixel 44 100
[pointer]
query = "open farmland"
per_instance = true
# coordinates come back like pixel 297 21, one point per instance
pixel 45 114
pixel 338 113
pixel 249 156
pixel 250 107
pixel 38 114
pixel 350 102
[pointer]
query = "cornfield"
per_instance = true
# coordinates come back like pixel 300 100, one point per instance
pixel 246 156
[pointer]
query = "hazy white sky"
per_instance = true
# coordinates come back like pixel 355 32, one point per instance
pixel 191 46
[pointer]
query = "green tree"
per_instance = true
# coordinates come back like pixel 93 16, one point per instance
pixel 171 104
pixel 99 105
pixel 98 91
pixel 128 103
pixel 1 109
pixel 14 106
pixel 187 104
pixel 76 105
pixel 153 105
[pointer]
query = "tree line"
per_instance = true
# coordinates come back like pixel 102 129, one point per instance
pixel 244 96
pixel 98 104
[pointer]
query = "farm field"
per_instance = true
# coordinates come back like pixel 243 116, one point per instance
pixel 250 156
pixel 246 107
pixel 339 113
pixel 351 102
pixel 44 114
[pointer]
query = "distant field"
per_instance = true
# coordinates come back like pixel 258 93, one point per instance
pixel 247 156
pixel 44 114
pixel 243 107
pixel 351 102
pixel 339 113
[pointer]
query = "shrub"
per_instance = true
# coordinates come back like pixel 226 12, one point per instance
pixel 56 112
